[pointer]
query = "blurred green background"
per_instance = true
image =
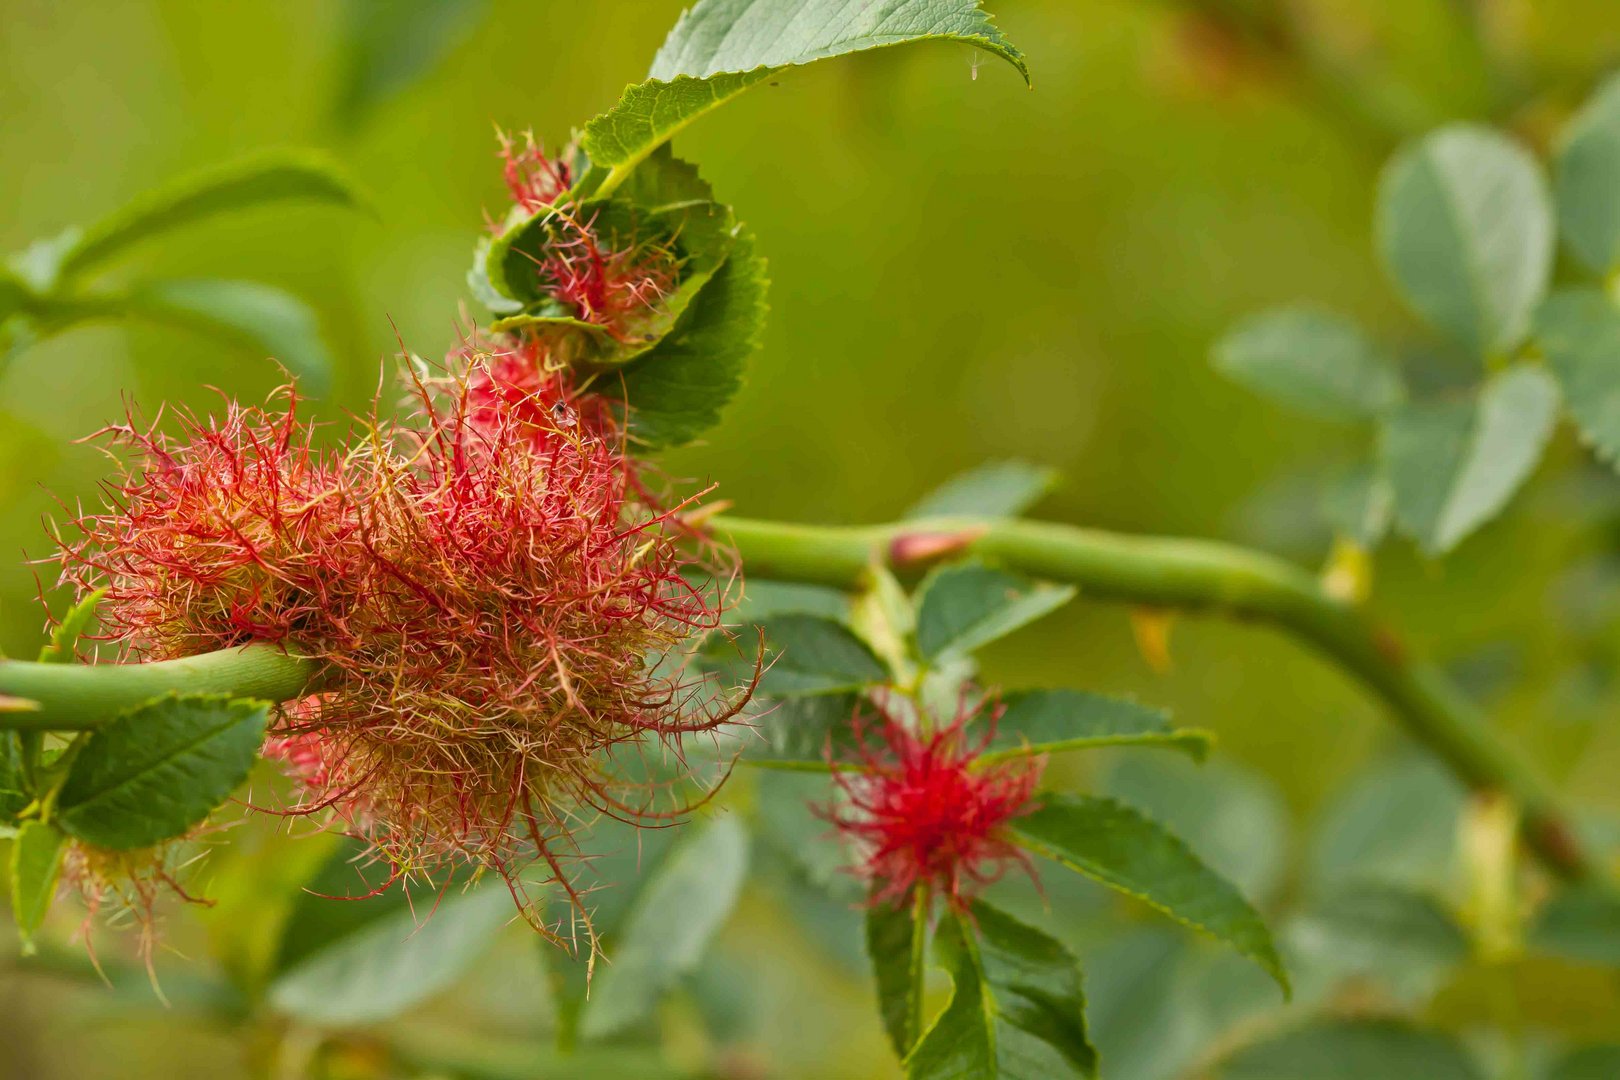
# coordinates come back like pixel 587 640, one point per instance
pixel 961 269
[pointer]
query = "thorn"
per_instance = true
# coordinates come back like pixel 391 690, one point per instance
pixel 913 549
pixel 17 704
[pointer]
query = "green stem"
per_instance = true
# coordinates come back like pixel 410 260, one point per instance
pixel 1192 575
pixel 78 697
pixel 921 906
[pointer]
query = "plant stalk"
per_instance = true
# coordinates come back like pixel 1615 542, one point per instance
pixel 80 697
pixel 1191 575
pixel 1199 576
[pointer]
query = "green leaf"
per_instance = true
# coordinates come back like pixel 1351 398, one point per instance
pixel 484 290
pixel 64 643
pixel 965 606
pixel 1396 823
pixel 788 813
pixel 798 733
pixel 676 391
pixel 676 915
pixel 1051 721
pixel 153 772
pixel 1017 1009
pixel 763 599
pixel 998 489
pixel 664 179
pixel 350 957
pixel 13 785
pixel 14 294
pixel 810 655
pixel 1454 465
pixel 1580 923
pixel 1386 922
pixel 651 113
pixel 1587 1063
pixel 1588 184
pixel 623 861
pixel 1353 1050
pixel 700 234
pixel 36 864
pixel 719 48
pixel 246 313
pixel 896 937
pixel 273 176
pixel 1358 504
pixel 1117 846
pixel 828 913
pixel 1579 331
pixel 1313 361
pixel 385 51
pixel 1394 937
pixel 1233 818
pixel 1465 228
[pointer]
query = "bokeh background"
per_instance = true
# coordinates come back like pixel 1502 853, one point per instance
pixel 962 269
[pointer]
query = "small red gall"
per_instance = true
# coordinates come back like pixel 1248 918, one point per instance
pixel 921 807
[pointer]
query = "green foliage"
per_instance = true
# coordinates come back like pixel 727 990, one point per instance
pixel 259 180
pixel 677 911
pixel 1312 361
pixel 1588 184
pixel 653 112
pixel 1386 935
pixel 896 943
pixel 1117 846
pixel 1353 1050
pixel 1465 227
pixel 679 387
pixel 962 607
pixel 1396 823
pixel 699 234
pixel 995 489
pixel 1587 1063
pixel 682 371
pixel 799 732
pixel 1580 923
pixel 154 772
pixel 385 51
pixel 808 655
pixel 763 599
pixel 1388 922
pixel 357 949
pixel 43 293
pixel 1359 504
pixel 63 647
pixel 1017 1009
pixel 1051 721
pixel 13 780
pixel 246 312
pixel 36 863
pixel 1453 465
pixel 722 47
pixel 1579 331
pixel 1234 819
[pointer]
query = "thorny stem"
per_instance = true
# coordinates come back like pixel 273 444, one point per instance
pixel 1193 575
pixel 78 697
